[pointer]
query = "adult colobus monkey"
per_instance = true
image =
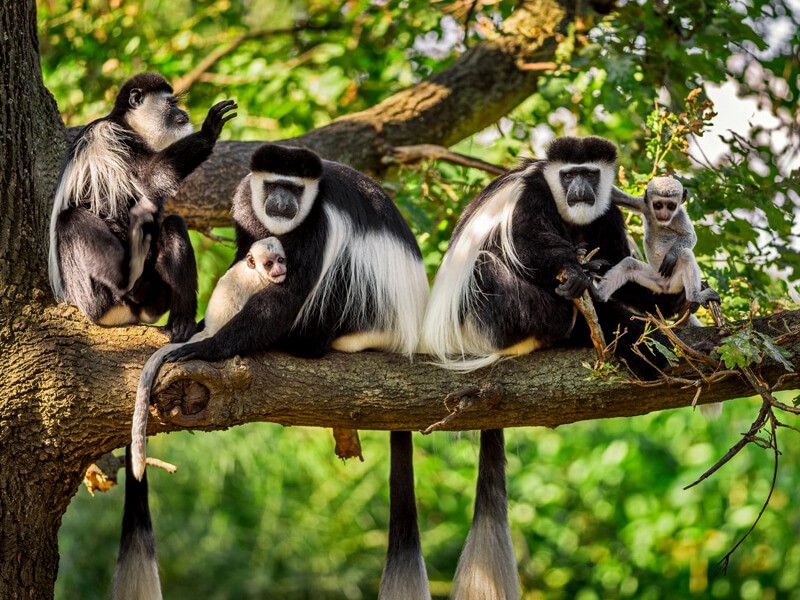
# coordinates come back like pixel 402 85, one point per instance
pixel 111 252
pixel 356 282
pixel 496 294
pixel 113 255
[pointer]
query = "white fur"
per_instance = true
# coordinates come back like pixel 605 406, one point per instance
pixel 407 581
pixel 99 176
pixel 136 576
pixel 279 225
pixel 231 293
pixel 487 566
pixel 382 271
pixel 580 214
pixel 148 121
pixel 455 287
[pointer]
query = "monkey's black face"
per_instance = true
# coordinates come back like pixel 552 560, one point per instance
pixel 580 184
pixel 175 116
pixel 157 118
pixel 282 200
pixel 663 208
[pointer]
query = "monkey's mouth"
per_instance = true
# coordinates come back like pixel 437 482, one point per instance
pixel 575 201
pixel 277 279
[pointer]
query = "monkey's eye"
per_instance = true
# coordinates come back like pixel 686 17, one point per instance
pixel 281 260
pixel 270 264
pixel 250 262
pixel 658 205
pixel 568 176
pixel 671 206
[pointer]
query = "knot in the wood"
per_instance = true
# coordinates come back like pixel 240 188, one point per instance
pixel 184 403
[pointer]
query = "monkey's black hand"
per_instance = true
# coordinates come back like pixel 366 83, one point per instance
pixel 202 350
pixel 180 328
pixel 595 268
pixel 668 264
pixel 576 282
pixel 216 119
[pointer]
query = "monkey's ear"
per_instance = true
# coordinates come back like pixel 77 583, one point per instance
pixel 136 98
pixel 251 261
pixel 685 194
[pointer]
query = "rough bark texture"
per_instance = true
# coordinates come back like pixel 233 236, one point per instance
pixel 34 486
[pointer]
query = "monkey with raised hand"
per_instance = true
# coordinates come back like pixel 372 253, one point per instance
pixel 669 238
pixel 112 253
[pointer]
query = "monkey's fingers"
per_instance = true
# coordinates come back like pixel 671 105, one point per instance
pixel 668 265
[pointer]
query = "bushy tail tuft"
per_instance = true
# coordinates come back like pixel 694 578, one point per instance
pixel 136 575
pixel 404 576
pixel 487 568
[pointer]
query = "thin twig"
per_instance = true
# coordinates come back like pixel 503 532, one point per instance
pixel 723 564
pixel 416 153
pixel 207 232
pixel 584 304
pixel 183 84
pixel 746 439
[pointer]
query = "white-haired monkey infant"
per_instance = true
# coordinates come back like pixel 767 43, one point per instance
pixel 668 242
pixel 265 264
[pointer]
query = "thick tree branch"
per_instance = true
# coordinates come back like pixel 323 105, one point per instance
pixel 367 391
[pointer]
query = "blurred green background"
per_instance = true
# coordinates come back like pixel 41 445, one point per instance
pixel 597 509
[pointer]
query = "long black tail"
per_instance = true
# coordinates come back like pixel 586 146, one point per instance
pixel 136 575
pixel 404 576
pixel 487 568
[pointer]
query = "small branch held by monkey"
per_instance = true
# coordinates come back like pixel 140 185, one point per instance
pixel 586 307
pixel 348 444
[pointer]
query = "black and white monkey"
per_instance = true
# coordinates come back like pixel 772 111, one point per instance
pixel 496 294
pixel 357 282
pixel 669 238
pixel 111 252
pixel 136 575
pixel 265 264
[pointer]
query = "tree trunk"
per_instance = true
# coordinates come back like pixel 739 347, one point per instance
pixel 36 478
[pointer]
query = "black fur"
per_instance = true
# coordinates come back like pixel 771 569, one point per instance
pixel 404 552
pixel 94 250
pixel 583 149
pixel 294 162
pixel 513 304
pixel 267 320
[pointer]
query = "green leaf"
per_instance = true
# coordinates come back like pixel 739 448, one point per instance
pixel 672 359
pixel 775 352
pixel 740 350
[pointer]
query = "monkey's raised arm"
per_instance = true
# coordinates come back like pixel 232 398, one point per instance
pixel 620 198
pixel 188 153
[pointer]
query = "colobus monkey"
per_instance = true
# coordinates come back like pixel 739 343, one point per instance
pixel 136 574
pixel 669 238
pixel 496 294
pixel 264 264
pixel 357 282
pixel 111 252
